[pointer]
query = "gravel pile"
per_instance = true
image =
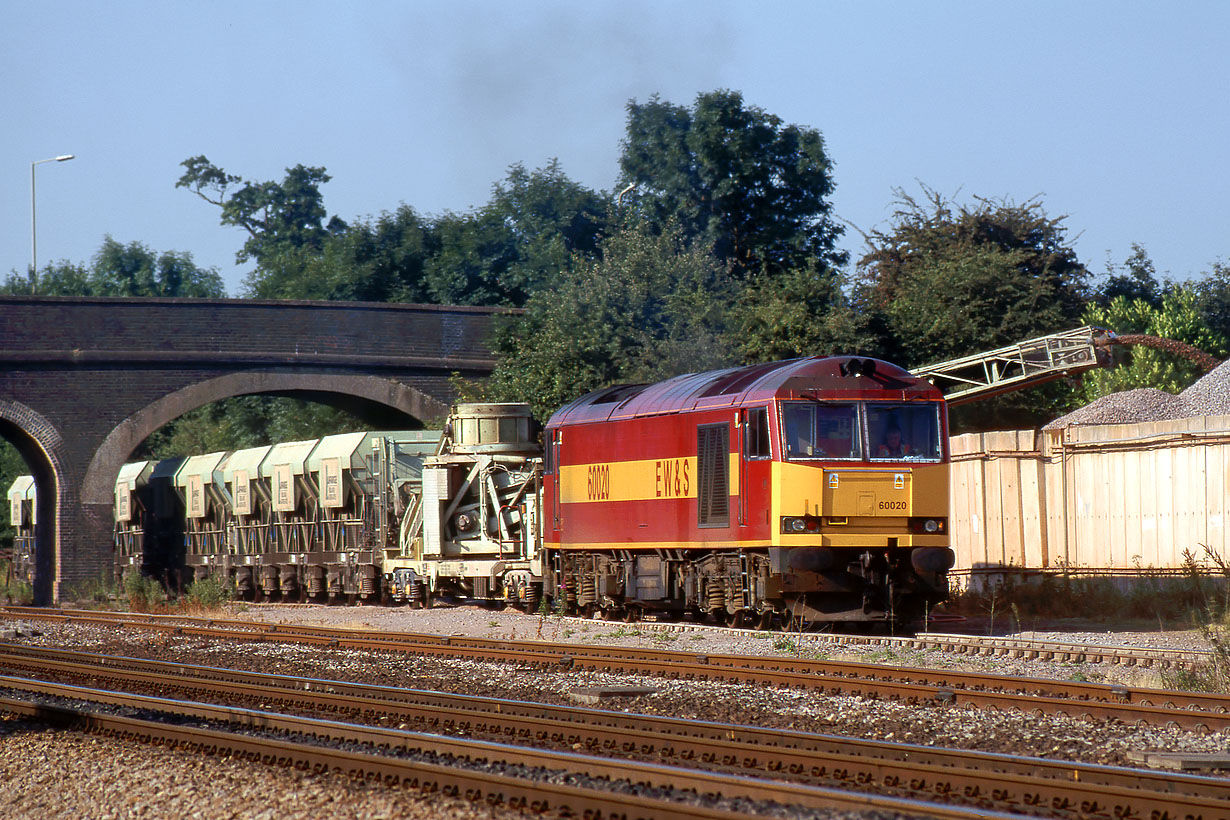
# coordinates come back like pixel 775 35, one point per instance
pixel 1126 407
pixel 1209 396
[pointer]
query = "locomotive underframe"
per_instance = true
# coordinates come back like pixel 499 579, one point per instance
pixel 754 585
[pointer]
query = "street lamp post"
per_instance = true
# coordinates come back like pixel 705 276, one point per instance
pixel 34 220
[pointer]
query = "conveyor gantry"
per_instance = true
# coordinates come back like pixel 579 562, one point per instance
pixel 1025 364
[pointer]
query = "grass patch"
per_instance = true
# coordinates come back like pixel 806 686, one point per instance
pixel 1166 599
pixel 16 591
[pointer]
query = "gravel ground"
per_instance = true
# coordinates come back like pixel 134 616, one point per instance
pixel 49 774
pixel 122 780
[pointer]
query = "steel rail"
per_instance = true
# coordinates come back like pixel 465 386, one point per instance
pixel 1032 648
pixel 1189 710
pixel 785 753
pixel 589 802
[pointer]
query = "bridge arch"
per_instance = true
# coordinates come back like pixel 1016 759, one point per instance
pixel 42 447
pixel 384 402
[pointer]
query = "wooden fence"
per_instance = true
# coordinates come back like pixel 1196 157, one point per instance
pixel 1108 500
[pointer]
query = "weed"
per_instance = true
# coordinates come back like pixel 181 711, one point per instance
pixel 94 591
pixel 1213 624
pixel 761 636
pixel 1014 598
pixel 881 656
pixel 784 644
pixel 144 594
pixel 697 638
pixel 664 637
pixel 208 593
pixel 15 591
pixel 493 623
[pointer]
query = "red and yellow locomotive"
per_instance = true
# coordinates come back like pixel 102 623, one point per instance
pixel 811 490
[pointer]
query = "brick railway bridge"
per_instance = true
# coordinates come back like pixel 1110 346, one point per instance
pixel 83 381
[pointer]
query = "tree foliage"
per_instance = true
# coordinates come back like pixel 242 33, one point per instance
pixel 1131 300
pixel 123 270
pixel 736 178
pixel 277 216
pixel 535 224
pixel 246 421
pixel 649 308
pixel 947 280
pixel 1178 316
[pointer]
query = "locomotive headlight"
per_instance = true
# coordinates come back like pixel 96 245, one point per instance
pixel 805 524
pixel 928 526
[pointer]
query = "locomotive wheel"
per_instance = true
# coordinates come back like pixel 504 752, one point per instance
pixel 766 621
pixel 632 614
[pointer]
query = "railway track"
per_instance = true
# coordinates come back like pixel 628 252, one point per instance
pixel 1011 784
pixel 1132 705
pixel 1029 648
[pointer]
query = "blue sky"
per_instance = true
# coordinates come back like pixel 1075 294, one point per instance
pixel 1113 113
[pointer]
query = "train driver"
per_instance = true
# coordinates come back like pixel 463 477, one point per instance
pixel 893 446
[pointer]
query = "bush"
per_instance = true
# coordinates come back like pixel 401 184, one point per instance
pixel 209 593
pixel 143 593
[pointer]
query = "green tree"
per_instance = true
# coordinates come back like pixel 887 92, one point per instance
pixel 380 260
pixel 804 312
pixel 285 221
pixel 124 270
pixel 246 421
pixel 11 466
pixel 1135 280
pixel 135 270
pixel 1213 292
pixel 735 177
pixel 1178 316
pixel 534 226
pixel 55 279
pixel 949 280
pixel 650 308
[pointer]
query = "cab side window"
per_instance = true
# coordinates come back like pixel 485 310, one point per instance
pixel 756 436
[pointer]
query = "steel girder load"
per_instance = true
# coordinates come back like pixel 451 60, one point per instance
pixel 23 511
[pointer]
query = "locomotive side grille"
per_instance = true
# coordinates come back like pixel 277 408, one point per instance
pixel 713 475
